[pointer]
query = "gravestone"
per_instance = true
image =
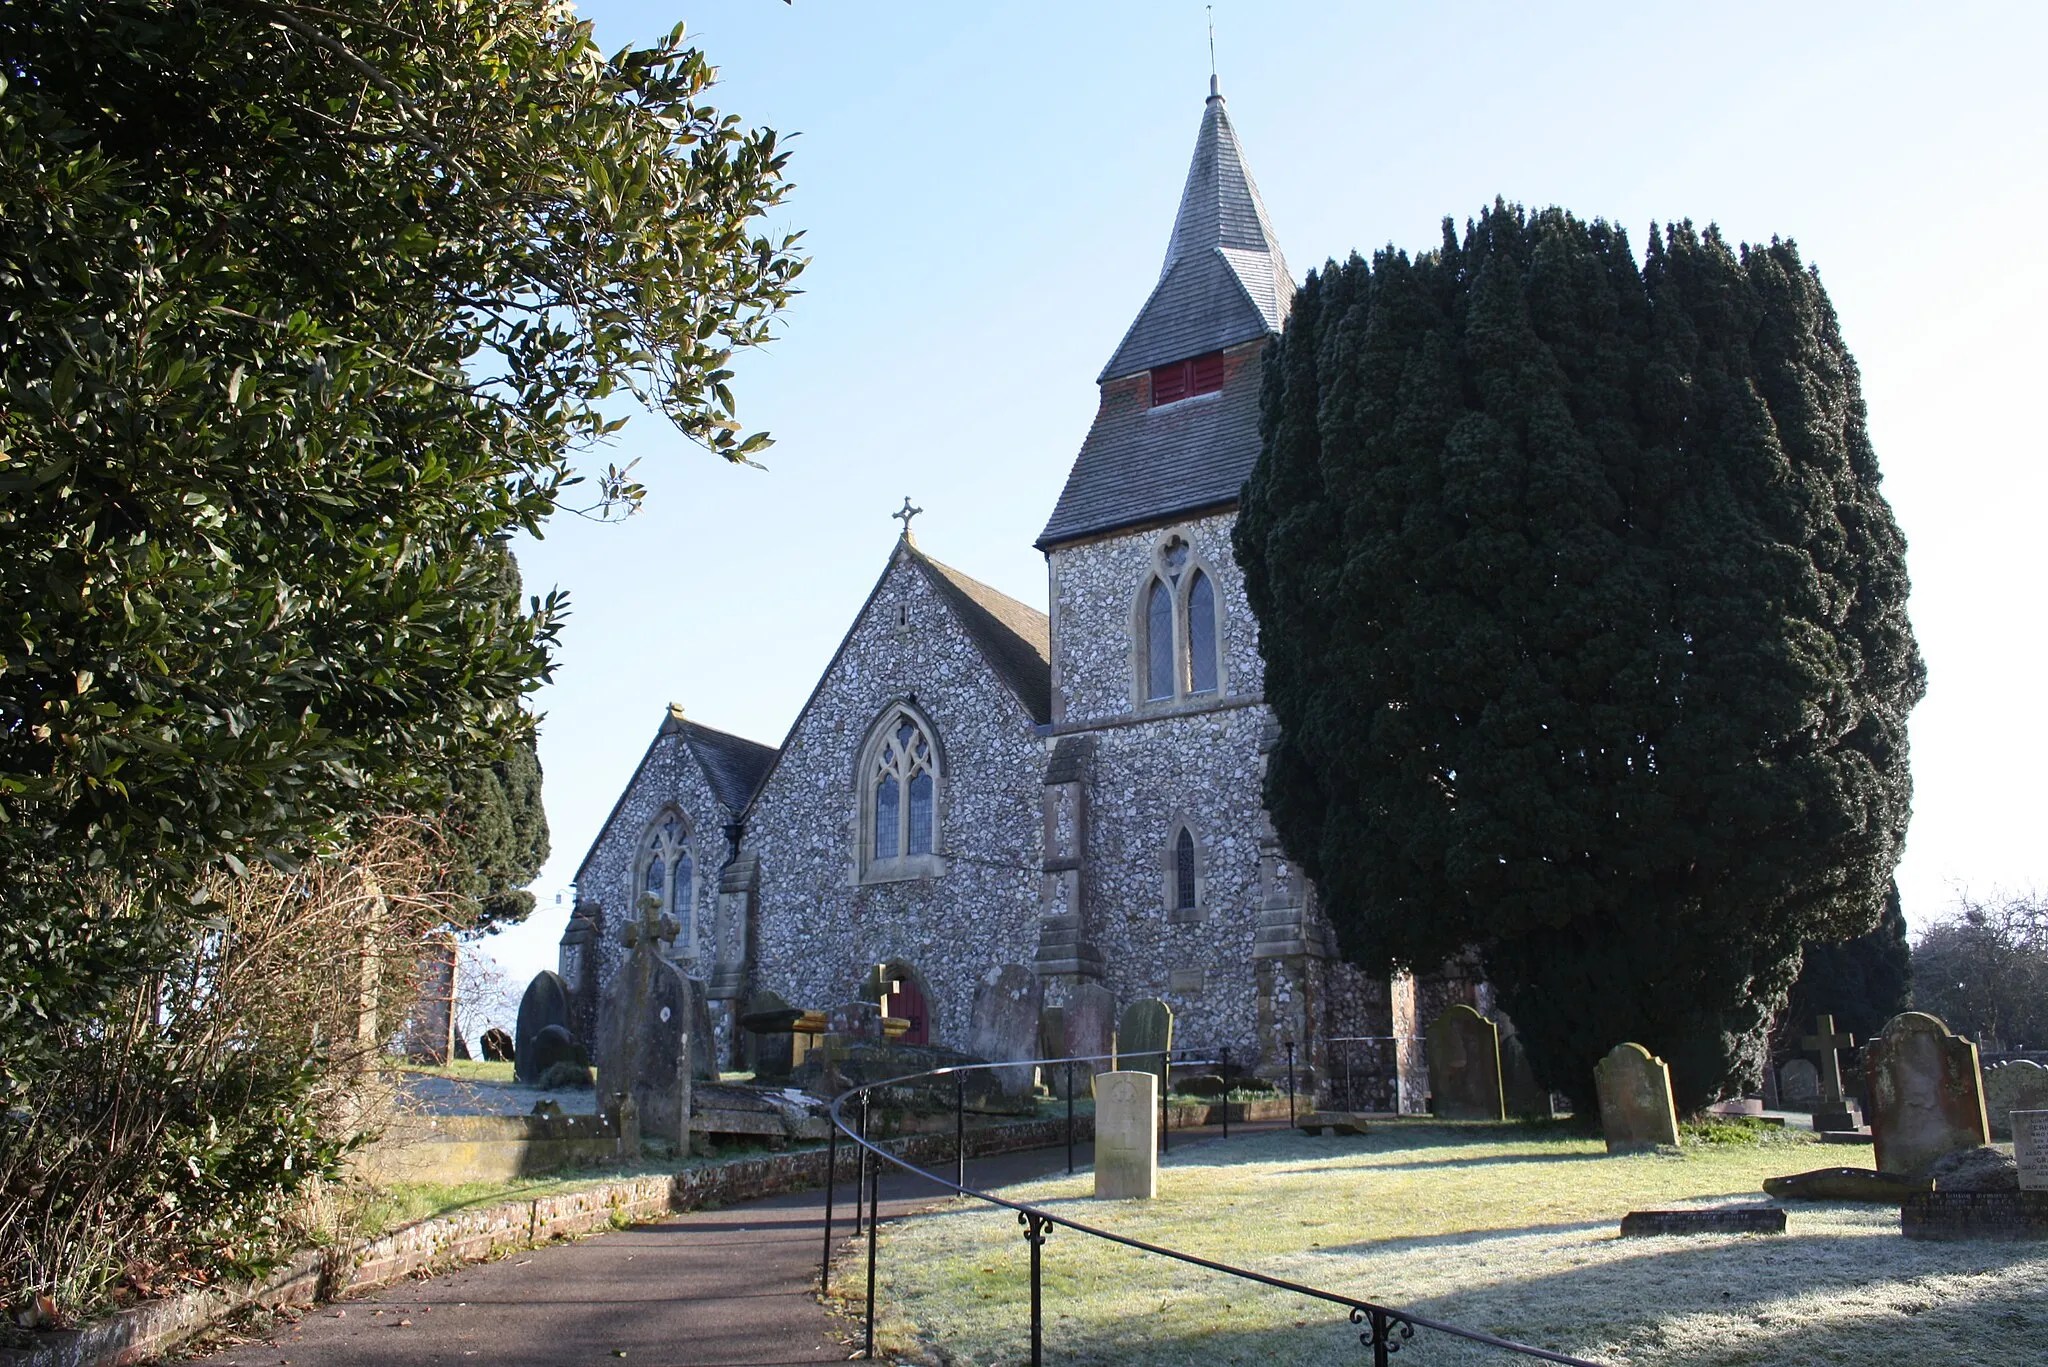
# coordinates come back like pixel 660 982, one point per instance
pixel 1127 1136
pixel 1715 1220
pixel 1834 1111
pixel 1526 1098
pixel 1636 1109
pixel 2030 1148
pixel 2021 1085
pixel 855 1022
pixel 1846 1184
pixel 1052 1032
pixel 546 1003
pixel 770 1023
pixel 1089 1022
pixel 1006 1004
pixel 1145 1037
pixel 555 1048
pixel 643 1031
pixel 1464 1066
pixel 703 1037
pixel 1926 1098
pixel 497 1046
pixel 1799 1085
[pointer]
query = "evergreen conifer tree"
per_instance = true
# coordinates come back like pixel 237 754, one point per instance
pixel 1584 621
pixel 1862 982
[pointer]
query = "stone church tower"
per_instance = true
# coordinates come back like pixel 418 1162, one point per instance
pixel 974 783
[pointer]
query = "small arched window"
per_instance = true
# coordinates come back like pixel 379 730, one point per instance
pixel 1184 874
pixel 1184 871
pixel 669 876
pixel 900 820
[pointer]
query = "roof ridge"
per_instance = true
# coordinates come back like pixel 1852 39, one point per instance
pixel 1019 651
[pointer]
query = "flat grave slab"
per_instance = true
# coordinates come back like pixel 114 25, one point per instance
pixel 1846 1184
pixel 1951 1215
pixel 1336 1122
pixel 1719 1220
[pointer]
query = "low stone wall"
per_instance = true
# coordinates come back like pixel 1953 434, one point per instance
pixel 147 1332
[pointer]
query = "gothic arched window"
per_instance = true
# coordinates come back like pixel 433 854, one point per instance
pixel 900 798
pixel 1177 628
pixel 669 876
pixel 1184 874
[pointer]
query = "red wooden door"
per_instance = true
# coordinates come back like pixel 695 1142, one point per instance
pixel 905 1002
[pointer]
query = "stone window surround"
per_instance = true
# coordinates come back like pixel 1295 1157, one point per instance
pixel 1169 873
pixel 868 870
pixel 1140 638
pixel 683 907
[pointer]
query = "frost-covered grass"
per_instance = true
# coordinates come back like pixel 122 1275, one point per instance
pixel 1508 1230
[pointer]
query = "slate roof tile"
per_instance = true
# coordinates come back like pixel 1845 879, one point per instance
pixel 1015 638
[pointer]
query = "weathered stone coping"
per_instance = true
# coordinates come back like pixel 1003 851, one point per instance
pixel 148 1331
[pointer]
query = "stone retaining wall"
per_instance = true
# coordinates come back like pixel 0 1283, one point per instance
pixel 147 1332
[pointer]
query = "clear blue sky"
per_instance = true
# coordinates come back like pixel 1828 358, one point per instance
pixel 987 191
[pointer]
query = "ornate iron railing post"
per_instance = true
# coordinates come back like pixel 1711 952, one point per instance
pixel 874 1244
pixel 1070 1118
pixel 831 1180
pixel 1165 1067
pixel 860 1184
pixel 1036 1229
pixel 1226 1091
pixel 960 1128
pixel 1381 1337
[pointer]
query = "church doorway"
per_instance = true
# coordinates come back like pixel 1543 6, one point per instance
pixel 904 998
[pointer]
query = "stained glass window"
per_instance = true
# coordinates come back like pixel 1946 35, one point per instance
pixel 681 874
pixel 1158 642
pixel 1184 871
pixel 656 885
pixel 888 817
pixel 904 788
pixel 1201 635
pixel 921 814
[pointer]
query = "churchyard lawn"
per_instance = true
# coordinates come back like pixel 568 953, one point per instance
pixel 1503 1228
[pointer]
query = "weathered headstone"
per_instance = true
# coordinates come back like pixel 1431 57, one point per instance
pixel 1713 1220
pixel 1925 1095
pixel 553 1047
pixel 497 1045
pixel 1834 1110
pixel 1799 1084
pixel 1089 1020
pixel 2021 1085
pixel 643 1032
pixel 1464 1066
pixel 770 1023
pixel 1636 1109
pixel 1144 1037
pixel 1127 1136
pixel 1006 1004
pixel 703 1038
pixel 855 1022
pixel 2030 1148
pixel 546 1003
pixel 1526 1098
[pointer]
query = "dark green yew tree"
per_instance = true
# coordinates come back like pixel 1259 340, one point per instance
pixel 1862 982
pixel 1585 622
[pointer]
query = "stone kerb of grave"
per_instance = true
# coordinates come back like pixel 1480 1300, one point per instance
pixel 2021 1085
pixel 545 1003
pixel 2030 1148
pixel 1005 1027
pixel 1144 1038
pixel 1127 1136
pixel 1636 1109
pixel 1799 1084
pixel 1464 1066
pixel 1926 1097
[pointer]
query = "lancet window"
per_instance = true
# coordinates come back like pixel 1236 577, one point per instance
pixel 1178 650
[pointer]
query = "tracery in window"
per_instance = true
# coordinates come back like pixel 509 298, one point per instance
pixel 1177 650
pixel 668 876
pixel 900 823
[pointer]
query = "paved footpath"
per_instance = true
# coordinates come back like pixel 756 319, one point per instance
pixel 735 1287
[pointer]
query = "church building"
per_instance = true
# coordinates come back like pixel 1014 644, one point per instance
pixel 974 784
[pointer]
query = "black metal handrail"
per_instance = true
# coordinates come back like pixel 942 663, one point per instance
pixel 1388 1326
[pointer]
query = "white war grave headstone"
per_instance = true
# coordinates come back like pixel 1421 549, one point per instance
pixel 1127 1136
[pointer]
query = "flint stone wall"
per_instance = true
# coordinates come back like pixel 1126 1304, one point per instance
pixel 821 932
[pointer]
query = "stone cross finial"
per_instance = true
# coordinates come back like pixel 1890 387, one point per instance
pixel 1824 1041
pixel 905 513
pixel 656 927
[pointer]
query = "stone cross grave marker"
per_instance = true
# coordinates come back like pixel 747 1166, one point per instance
pixel 1464 1066
pixel 644 1029
pixel 1145 1036
pixel 1006 1005
pixel 2030 1148
pixel 1926 1094
pixel 1636 1109
pixel 546 1003
pixel 1127 1136
pixel 2021 1085
pixel 1835 1111
pixel 1799 1084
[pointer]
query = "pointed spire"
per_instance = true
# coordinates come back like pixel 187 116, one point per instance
pixel 1224 279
